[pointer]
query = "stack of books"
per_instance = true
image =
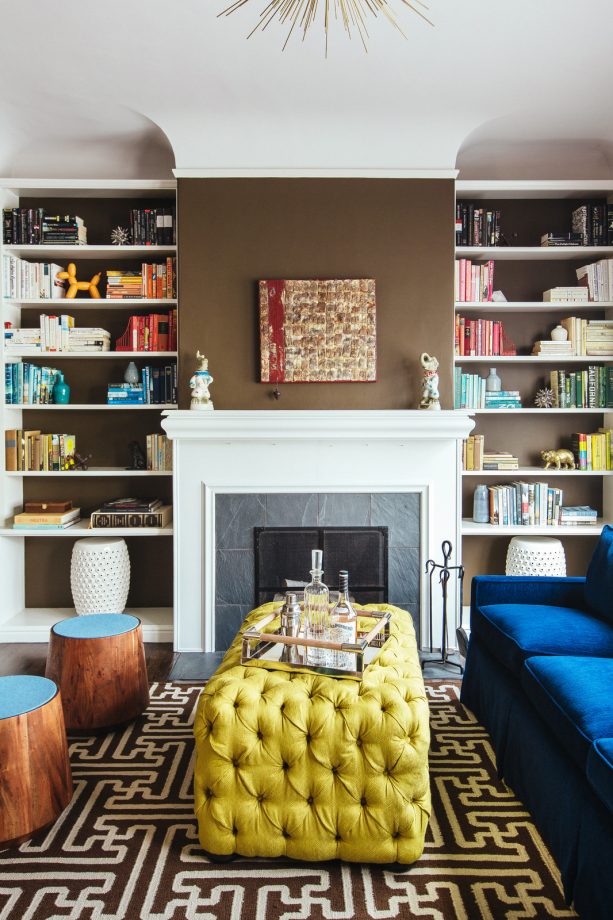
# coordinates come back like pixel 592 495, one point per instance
pixel 473 283
pixel 89 338
pixel 28 384
pixel 469 390
pixel 590 388
pixel 153 226
pixel 566 295
pixel 481 337
pixel 47 516
pixel 34 451
pixel 154 332
pixel 125 394
pixel 599 338
pixel 22 226
pixel 131 512
pixel 525 504
pixel 591 222
pixel 499 460
pixel 159 452
pixel 502 399
pixel 23 280
pixel 123 285
pixel 476 226
pixel 593 451
pixel 573 515
pixel 598 278
pixel 56 334
pixel 547 348
pixel 562 239
pixel 160 384
pixel 67 230
pixel 472 452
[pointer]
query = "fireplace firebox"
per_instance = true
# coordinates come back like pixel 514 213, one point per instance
pixel 284 553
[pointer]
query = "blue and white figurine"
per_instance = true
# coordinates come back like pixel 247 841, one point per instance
pixel 200 382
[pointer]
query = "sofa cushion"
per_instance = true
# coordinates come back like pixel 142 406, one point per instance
pixel 514 632
pixel 600 770
pixel 573 697
pixel 599 581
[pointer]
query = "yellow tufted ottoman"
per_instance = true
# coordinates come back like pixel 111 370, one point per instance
pixel 315 768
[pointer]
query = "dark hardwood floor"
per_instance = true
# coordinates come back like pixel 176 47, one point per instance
pixel 30 657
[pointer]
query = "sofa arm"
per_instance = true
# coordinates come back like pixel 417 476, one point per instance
pixel 519 589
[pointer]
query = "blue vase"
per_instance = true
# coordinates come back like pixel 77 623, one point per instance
pixel 61 391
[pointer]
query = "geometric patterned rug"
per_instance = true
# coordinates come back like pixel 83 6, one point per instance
pixel 126 847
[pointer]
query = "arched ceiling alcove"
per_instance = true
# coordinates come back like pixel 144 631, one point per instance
pixel 135 88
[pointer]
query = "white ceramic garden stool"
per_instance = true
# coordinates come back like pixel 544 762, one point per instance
pixel 536 556
pixel 100 575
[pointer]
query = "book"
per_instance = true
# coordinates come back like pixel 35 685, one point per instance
pixel 476 225
pixel 566 294
pixel 130 504
pixel 57 519
pixel 161 517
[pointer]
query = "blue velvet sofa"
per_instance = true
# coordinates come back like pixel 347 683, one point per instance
pixel 539 676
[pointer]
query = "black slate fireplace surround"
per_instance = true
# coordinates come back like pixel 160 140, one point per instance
pixel 285 553
pixel 238 514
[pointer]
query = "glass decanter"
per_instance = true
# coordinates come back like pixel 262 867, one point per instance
pixel 316 610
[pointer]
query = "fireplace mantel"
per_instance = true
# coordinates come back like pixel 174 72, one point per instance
pixel 352 424
pixel 279 451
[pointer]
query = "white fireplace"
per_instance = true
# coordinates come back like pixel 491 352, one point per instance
pixel 224 452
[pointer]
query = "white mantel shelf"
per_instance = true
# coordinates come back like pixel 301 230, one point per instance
pixel 365 426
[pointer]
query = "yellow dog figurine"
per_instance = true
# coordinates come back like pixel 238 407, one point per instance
pixel 75 286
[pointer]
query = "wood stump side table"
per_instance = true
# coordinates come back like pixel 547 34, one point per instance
pixel 98 662
pixel 35 778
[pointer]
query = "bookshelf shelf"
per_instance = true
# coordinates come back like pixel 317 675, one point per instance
pixel 32 624
pixel 82 528
pixel 535 471
pixel 104 303
pixel 532 359
pixel 529 306
pixel 470 529
pixel 94 471
pixel 30 604
pixel 478 189
pixel 535 253
pixel 89 252
pixel 61 355
pixel 534 411
pixel 87 407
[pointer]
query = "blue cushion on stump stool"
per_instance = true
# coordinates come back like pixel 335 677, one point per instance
pixel 599 581
pixel 600 770
pixel 514 632
pixel 20 693
pixel 96 625
pixel 573 697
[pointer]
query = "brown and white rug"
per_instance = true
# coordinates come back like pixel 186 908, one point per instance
pixel 127 847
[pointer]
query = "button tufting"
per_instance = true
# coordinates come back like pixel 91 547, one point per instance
pixel 260 798
pixel 334 770
pixel 285 834
pixel 285 765
pixel 235 762
pixel 308 739
pixel 235 704
pixel 235 830
pixel 310 800
pixel 337 837
pixel 260 735
pixel 363 802
pixel 358 742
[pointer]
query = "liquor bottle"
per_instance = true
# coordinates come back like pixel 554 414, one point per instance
pixel 316 610
pixel 343 623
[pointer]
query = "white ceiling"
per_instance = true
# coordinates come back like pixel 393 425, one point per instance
pixel 131 88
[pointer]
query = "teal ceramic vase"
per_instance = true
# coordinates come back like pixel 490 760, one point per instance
pixel 61 391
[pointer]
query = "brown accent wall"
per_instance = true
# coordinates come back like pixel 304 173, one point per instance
pixel 234 232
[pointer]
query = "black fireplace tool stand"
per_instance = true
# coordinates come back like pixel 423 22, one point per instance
pixel 445 572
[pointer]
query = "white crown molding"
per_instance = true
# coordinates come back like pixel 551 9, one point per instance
pixel 311 425
pixel 280 172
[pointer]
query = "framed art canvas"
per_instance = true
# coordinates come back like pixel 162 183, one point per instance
pixel 318 331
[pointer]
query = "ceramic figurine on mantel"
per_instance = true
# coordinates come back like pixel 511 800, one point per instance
pixel 199 383
pixel 429 390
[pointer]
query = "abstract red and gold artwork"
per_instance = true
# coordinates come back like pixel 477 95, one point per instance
pixel 318 331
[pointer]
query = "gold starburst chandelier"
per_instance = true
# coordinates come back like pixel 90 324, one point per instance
pixel 301 15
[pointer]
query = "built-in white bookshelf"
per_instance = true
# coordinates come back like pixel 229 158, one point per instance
pixel 18 621
pixel 521 425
